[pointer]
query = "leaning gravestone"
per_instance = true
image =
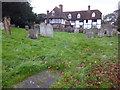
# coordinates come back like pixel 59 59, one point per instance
pixel 49 30
pixel 76 30
pixel 90 34
pixel 43 29
pixel 7 25
pixel 26 27
pixel 1 26
pixel 33 34
pixel 100 33
pixel 109 33
pixel 69 29
pixel 37 27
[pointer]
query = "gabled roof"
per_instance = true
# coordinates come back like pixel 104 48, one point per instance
pixel 57 14
pixel 84 14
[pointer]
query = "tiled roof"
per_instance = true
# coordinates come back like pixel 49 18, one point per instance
pixel 57 14
pixel 84 14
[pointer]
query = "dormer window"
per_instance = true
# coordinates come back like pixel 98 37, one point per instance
pixel 93 14
pixel 69 16
pixel 78 16
pixel 53 12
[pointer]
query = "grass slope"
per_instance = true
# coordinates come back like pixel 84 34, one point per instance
pixel 83 62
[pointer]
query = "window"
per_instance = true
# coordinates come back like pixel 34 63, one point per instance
pixel 69 16
pixel 53 13
pixel 93 14
pixel 86 21
pixel 81 20
pixel 78 16
pixel 94 20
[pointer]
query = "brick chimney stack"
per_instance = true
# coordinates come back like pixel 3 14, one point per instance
pixel 47 16
pixel 89 8
pixel 61 7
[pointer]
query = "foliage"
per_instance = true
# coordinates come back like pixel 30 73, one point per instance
pixel 109 18
pixel 118 23
pixel 20 13
pixel 83 62
pixel 40 18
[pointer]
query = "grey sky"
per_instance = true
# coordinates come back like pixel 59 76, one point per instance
pixel 105 6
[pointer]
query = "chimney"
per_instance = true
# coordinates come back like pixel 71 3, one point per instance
pixel 88 8
pixel 47 12
pixel 61 7
pixel 47 17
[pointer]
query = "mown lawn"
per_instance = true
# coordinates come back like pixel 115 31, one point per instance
pixel 83 62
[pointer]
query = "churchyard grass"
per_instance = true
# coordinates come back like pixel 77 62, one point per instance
pixel 83 62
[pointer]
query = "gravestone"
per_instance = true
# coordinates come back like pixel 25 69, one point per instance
pixel 33 34
pixel 46 30
pixel 69 29
pixel 37 27
pixel 26 27
pixel 7 25
pixel 43 29
pixel 109 33
pixel 1 26
pixel 49 30
pixel 76 30
pixel 90 34
pixel 100 33
pixel 12 25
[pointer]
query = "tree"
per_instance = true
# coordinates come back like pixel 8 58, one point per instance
pixel 20 13
pixel 40 18
pixel 110 18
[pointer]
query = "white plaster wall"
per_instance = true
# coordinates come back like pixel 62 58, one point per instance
pixel 81 23
pixel 88 26
pixel 98 26
pixel 89 21
pixel 94 23
pixel 99 21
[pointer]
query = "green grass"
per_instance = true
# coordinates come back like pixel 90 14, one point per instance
pixel 78 58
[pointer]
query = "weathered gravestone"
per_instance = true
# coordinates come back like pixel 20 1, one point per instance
pixel 26 27
pixel 109 33
pixel 33 34
pixel 7 25
pixel 1 26
pixel 12 25
pixel 46 30
pixel 101 32
pixel 90 34
pixel 69 29
pixel 76 30
pixel 49 30
pixel 37 27
pixel 43 29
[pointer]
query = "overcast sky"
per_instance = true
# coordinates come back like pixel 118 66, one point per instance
pixel 105 6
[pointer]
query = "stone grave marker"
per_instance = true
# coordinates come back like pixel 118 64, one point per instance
pixel 90 34
pixel 26 27
pixel 101 33
pixel 7 25
pixel 109 33
pixel 33 34
pixel 37 27
pixel 76 30
pixel 49 30
pixel 1 26
pixel 69 29
pixel 43 29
